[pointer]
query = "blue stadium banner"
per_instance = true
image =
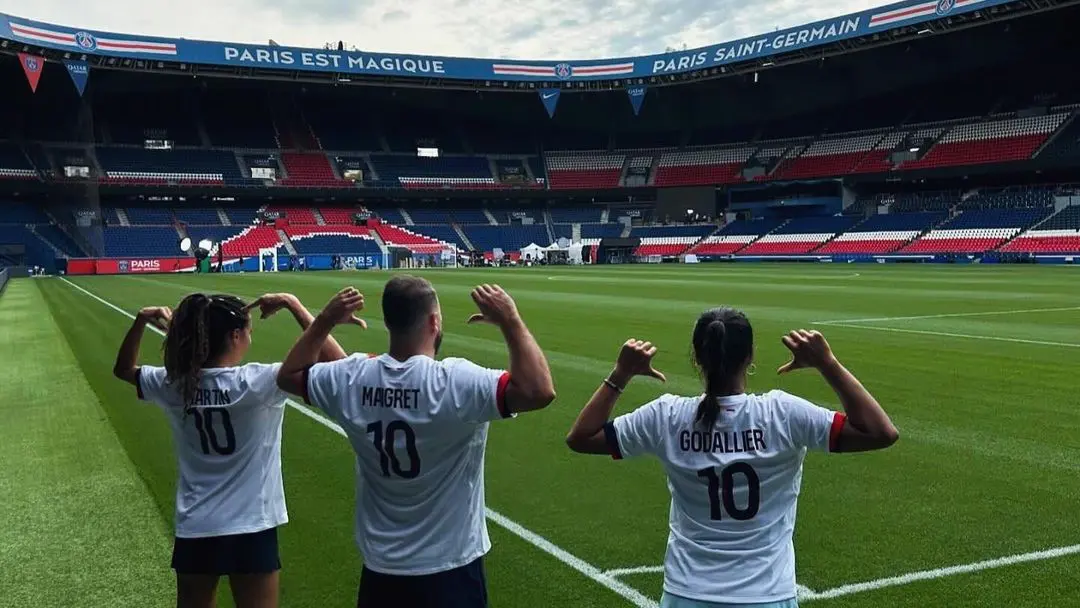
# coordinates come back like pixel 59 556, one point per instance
pixel 80 73
pixel 550 97
pixel 544 72
pixel 636 94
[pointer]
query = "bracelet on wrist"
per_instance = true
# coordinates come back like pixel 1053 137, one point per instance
pixel 613 386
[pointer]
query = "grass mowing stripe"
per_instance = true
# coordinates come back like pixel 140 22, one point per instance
pixel 592 572
pixel 946 334
pixel 80 528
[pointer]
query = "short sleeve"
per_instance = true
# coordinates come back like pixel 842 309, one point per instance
pixel 811 426
pixel 150 383
pixel 261 379
pixel 639 432
pixel 326 382
pixel 478 394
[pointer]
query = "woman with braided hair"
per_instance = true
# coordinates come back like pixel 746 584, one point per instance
pixel 733 459
pixel 226 421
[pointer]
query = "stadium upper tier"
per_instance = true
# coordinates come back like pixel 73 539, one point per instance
pixel 965 142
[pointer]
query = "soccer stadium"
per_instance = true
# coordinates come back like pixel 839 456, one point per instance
pixel 905 180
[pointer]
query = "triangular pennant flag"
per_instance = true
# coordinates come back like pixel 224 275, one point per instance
pixel 550 97
pixel 32 66
pixel 637 97
pixel 80 73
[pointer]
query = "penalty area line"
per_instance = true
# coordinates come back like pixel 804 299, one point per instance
pixel 946 334
pixel 807 594
pixel 949 315
pixel 590 571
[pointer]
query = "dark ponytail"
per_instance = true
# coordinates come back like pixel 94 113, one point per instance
pixel 199 333
pixel 723 347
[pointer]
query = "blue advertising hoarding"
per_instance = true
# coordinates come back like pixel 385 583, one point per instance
pixel 384 64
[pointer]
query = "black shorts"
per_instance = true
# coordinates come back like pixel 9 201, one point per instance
pixel 463 587
pixel 255 553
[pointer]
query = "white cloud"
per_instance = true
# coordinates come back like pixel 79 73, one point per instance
pixel 526 29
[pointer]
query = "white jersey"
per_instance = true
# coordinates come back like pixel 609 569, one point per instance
pixel 419 429
pixel 733 489
pixel 228 447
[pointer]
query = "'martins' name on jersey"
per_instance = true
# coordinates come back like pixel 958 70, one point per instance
pixel 228 448
pixel 733 488
pixel 419 430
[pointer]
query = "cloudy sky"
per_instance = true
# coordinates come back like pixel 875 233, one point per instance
pixel 522 29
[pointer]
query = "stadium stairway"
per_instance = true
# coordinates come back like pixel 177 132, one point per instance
pixel 286 242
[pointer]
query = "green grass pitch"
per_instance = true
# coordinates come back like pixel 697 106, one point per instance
pixel 977 366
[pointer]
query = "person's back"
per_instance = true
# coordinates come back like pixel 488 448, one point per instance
pixel 733 460
pixel 419 430
pixel 228 448
pixel 734 489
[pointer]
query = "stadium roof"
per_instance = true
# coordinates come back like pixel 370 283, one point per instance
pixel 879 26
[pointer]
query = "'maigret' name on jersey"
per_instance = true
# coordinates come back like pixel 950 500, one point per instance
pixel 419 430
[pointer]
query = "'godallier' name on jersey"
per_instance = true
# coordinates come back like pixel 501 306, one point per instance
pixel 735 442
pixel 397 398
pixel 211 396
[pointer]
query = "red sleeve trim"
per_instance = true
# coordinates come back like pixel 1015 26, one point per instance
pixel 500 395
pixel 837 426
pixel 138 384
pixel 612 439
pixel 371 355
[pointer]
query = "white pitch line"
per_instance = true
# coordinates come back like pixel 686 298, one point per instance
pixel 637 570
pixel 954 335
pixel 590 571
pixel 949 315
pixel 937 573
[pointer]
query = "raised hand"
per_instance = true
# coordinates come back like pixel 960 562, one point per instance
pixel 808 350
pixel 635 359
pixel 158 316
pixel 271 303
pixel 496 306
pixel 342 308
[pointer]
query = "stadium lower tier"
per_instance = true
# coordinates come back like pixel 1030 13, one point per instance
pixel 868 242
pixel 786 244
pixel 1045 242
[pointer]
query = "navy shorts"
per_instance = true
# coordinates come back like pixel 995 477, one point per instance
pixel 463 587
pixel 255 553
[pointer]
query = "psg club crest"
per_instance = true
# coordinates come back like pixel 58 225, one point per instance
pixel 86 41
pixel 32 64
pixel 944 6
pixel 123 266
pixel 563 71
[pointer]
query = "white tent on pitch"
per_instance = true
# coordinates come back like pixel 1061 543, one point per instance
pixel 532 251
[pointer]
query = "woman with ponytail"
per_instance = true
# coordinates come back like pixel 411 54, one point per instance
pixel 226 423
pixel 733 459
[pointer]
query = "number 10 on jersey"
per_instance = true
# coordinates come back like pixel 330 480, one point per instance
pixel 384 445
pixel 722 492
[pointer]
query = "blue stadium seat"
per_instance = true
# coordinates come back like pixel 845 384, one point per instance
pixel 601 231
pixel 21 213
pixel 697 230
pixel 443 233
pixel 507 238
pixel 335 244
pixel 149 216
pixel 580 215
pixel 198 217
pixel 141 242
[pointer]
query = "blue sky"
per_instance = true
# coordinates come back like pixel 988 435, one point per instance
pixel 522 29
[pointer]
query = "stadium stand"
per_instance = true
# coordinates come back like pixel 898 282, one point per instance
pixel 14 164
pixel 601 231
pixel 800 236
pixel 507 238
pixel 143 241
pixel 668 240
pixel 295 214
pixel 198 217
pixel 882 234
pixel 420 172
pixel 1060 234
pixel 703 166
pixel 584 170
pixel 250 240
pixel 137 165
pixel 339 215
pixel 430 216
pixel 989 142
pixel 333 242
pixel 578 215
pixel 309 169
pixel 976 231
pixel 838 156
pixel 735 236
pixel 443 233
pixel 417 243
pixel 149 216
